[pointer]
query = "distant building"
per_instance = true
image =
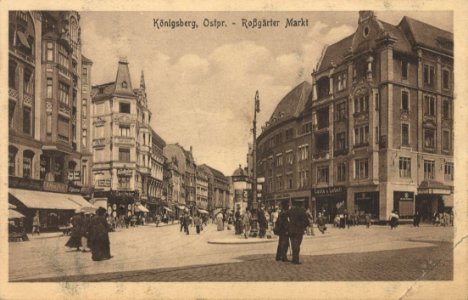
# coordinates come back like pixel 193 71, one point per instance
pixel 48 116
pixel 382 112
pixel 121 144
pixel 202 189
pixel 156 188
pixel 218 188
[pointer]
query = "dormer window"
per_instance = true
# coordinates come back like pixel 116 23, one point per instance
pixel 124 84
pixel 366 31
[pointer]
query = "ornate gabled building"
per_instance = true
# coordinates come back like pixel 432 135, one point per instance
pixel 121 144
pixel 382 112
pixel 48 114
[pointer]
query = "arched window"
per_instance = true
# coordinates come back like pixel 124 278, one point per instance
pixel 28 156
pixel 12 151
pixel 71 170
pixel 124 84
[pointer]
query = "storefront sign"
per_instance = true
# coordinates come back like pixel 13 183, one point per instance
pixel 328 191
pixel 404 196
pixel 124 172
pixel 103 183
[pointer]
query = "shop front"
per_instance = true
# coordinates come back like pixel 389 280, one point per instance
pixel 119 203
pixel 329 201
pixel 367 203
pixel 433 197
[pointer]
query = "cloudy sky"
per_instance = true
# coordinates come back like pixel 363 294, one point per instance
pixel 201 82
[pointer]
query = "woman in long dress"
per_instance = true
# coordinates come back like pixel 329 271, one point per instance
pixel 219 221
pixel 75 236
pixel 99 236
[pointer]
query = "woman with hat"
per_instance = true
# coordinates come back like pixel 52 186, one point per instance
pixel 76 232
pixel 98 236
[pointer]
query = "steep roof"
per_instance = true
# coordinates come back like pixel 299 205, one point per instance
pixel 335 53
pixel 429 36
pixel 157 139
pixel 102 90
pixel 402 44
pixel 86 60
pixel 293 103
pixel 215 172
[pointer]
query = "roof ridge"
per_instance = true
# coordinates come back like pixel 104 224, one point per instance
pixel 426 24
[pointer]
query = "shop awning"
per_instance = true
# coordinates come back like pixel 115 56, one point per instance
pixel 167 208
pixel 202 211
pixel 13 214
pixel 434 187
pixel 100 202
pixel 81 202
pixel 141 208
pixel 46 200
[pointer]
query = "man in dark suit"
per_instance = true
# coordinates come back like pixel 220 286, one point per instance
pixel 298 222
pixel 282 225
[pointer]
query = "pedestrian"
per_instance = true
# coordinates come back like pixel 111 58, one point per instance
pixel 75 236
pixel 246 219
pixel 310 217
pixel 262 223
pixel 98 233
pixel 321 223
pixel 36 224
pixel 346 218
pixel 368 220
pixel 133 221
pixel 197 223
pixel 84 232
pixel 127 221
pixel 416 219
pixel 187 222
pixel 298 222
pixel 394 219
pixel 281 230
pixel 220 221
pixel 238 222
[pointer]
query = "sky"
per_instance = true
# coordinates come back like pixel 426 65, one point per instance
pixel 201 82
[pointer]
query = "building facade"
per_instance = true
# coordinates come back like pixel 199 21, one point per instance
pixel 48 105
pixel 283 150
pixel 202 189
pixel 218 188
pixel 382 112
pixel 121 144
pixel 156 188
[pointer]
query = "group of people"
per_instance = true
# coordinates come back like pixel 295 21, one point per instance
pixel 91 232
pixel 198 220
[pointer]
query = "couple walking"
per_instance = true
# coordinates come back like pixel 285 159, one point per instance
pixel 290 228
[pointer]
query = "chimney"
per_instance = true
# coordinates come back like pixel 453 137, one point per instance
pixel 365 15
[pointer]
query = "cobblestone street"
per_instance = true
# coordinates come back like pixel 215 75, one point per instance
pixel 165 254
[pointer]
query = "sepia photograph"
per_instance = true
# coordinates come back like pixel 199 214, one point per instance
pixel 261 146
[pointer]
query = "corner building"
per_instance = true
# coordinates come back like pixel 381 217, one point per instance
pixel 382 120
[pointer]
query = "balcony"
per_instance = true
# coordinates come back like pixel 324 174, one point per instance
pixel 64 109
pixel 27 99
pixel 99 142
pixel 321 154
pixel 12 93
pixel 338 152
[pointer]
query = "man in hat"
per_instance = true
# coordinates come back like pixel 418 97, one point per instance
pixel 282 225
pixel 298 222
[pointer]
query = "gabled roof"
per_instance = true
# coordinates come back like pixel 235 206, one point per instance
pixel 157 139
pixel 402 44
pixel 215 172
pixel 102 91
pixel 335 53
pixel 429 36
pixel 86 60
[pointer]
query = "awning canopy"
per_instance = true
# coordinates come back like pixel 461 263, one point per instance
pixel 434 187
pixel 46 200
pixel 167 208
pixel 13 214
pixel 202 211
pixel 141 208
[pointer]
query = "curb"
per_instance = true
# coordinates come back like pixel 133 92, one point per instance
pixel 240 241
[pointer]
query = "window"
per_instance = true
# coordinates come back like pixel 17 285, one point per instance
pixel 289 134
pixel 341 111
pixel 124 84
pixel 361 104
pixel 279 160
pixel 28 85
pixel 99 132
pixel 124 130
pixel 447 109
pixel 362 168
pixel 49 88
pixel 124 154
pixel 63 128
pixel 429 105
pixel 27 163
pixel 50 51
pixel 289 181
pixel 429 169
pixel 306 128
pixel 11 112
pixel 84 75
pixel 429 138
pixel 84 137
pixel 322 142
pixel 446 140
pixel 124 108
pixel 12 151
pixel 322 174
pixel 12 74
pixel 303 152
pixel 446 79
pixel 429 74
pixel 322 118
pixel 26 120
pixel 340 141
pixel 341 81
pixel 404 134
pixel 64 93
pixel 341 172
pixel 63 57
pixel 279 183
pixel 448 171
pixel 404 101
pixel 303 179
pixel 361 135
pixel 124 182
pixel 405 167
pixel 404 69
pixel 289 158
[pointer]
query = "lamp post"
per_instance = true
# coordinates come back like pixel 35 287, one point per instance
pixel 254 169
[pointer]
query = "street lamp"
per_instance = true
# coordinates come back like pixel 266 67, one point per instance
pixel 254 169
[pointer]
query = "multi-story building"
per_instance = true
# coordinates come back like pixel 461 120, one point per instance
pixel 218 188
pixel 174 186
pixel 156 193
pixel 283 150
pixel 121 144
pixel 202 189
pixel 382 112
pixel 48 115
pixel 187 168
